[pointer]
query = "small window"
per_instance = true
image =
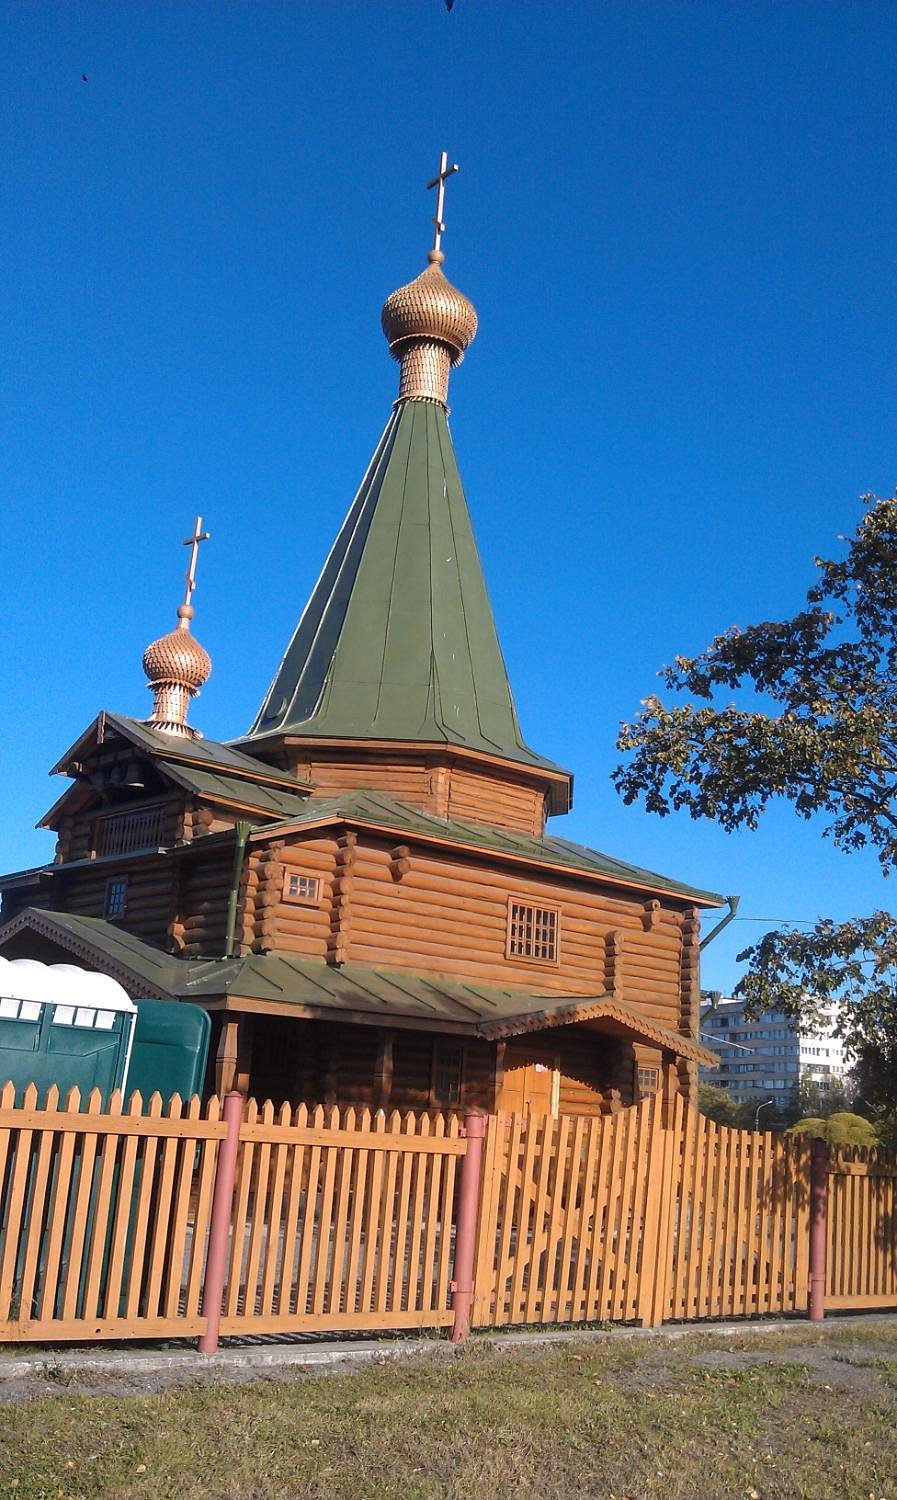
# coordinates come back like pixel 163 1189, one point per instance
pixel 533 932
pixel 306 888
pixel 19 1010
pixel 648 1080
pixel 116 898
pixel 84 1015
pixel 448 1063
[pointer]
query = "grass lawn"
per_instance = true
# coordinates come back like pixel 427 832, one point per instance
pixel 793 1413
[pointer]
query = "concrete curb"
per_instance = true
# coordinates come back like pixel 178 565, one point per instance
pixel 263 1357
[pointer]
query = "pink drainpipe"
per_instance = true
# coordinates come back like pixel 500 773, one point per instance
pixel 219 1228
pixel 466 1232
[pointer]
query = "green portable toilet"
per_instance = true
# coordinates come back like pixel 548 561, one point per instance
pixel 60 1024
pixel 171 1049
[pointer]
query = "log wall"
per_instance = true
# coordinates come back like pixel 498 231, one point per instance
pixel 400 907
pixel 436 782
pixel 79 832
pixel 324 1062
pixel 149 895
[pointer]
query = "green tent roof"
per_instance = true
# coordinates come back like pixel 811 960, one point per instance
pixel 398 640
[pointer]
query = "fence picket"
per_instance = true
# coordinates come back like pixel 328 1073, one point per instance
pixel 35 1239
pixel 324 1227
pixel 566 1260
pixel 403 1298
pixel 81 1214
pixel 594 1135
pixel 446 1215
pixel 98 1250
pixel 17 1207
pixel 58 1216
pixel 202 1211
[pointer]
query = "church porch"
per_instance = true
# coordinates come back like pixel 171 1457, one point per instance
pixel 569 1069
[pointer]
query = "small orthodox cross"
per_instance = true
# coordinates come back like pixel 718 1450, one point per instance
pixel 193 543
pixel 439 183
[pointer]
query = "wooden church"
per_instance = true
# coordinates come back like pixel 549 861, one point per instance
pixel 362 890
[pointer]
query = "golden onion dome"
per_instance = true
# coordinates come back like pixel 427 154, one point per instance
pixel 429 307
pixel 178 658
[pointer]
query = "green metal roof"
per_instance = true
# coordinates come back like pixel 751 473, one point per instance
pixel 187 752
pixel 377 807
pixel 310 984
pixel 398 640
pixel 89 938
pixel 275 801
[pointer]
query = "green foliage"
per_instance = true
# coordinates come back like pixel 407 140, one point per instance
pixel 818 729
pixel 717 1105
pixel 809 1099
pixel 885 1124
pixel 813 1126
pixel 840 1129
pixel 853 963
pixel 828 742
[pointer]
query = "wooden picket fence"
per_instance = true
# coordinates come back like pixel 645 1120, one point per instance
pixel 625 1218
pixel 342 1219
pixel 861 1265
pixel 152 1220
pixel 104 1215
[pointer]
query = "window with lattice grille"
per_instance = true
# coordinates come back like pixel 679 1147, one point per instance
pixel 123 832
pixel 533 932
pixel 116 898
pixel 648 1080
pixel 298 887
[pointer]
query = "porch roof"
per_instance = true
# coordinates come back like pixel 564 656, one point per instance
pixel 285 984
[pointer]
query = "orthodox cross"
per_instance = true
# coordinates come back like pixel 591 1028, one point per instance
pixel 439 183
pixel 193 543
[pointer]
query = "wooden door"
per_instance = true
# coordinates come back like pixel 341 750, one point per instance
pixel 530 1082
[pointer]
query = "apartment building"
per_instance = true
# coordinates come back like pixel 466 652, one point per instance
pixel 766 1057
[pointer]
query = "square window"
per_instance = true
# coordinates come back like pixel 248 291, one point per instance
pixel 304 888
pixel 533 932
pixel 116 898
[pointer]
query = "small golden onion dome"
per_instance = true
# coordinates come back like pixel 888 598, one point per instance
pixel 178 658
pixel 429 307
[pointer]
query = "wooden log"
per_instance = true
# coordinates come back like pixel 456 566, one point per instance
pixel 472 885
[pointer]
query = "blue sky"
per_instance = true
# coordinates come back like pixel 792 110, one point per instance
pixel 678 225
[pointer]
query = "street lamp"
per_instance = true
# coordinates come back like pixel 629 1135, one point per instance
pixel 764 1105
